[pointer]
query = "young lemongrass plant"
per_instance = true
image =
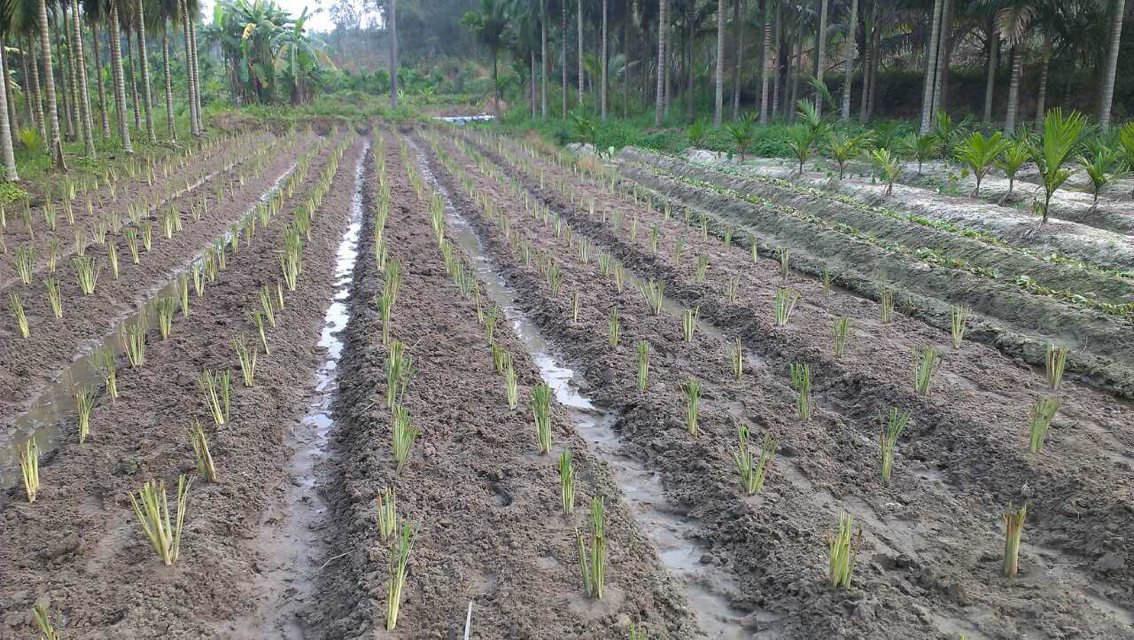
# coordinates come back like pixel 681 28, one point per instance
pixel 84 404
pixel 643 349
pixel 592 562
pixel 604 263
pixel 926 360
pixel 612 336
pixel 841 330
pixel 17 308
pixel 566 481
pixel 181 289
pixel 634 228
pixel 147 235
pixel 266 306
pixel 133 338
pixel 500 358
pixel 736 359
pixel 80 248
pixel 1056 360
pixel 752 468
pixel 689 322
pixel 404 433
pixel 784 256
pixel 385 308
pixel 42 618
pixel 887 299
pixel 678 248
pixel 692 389
pixel 801 383
pixel 398 570
pixel 52 254
pixel 511 390
pixel 655 233
pixel 619 277
pixel 1013 530
pixel 554 277
pixel 702 267
pixel 198 279
pixel 387 514
pixel 217 388
pixel 49 215
pixel 201 453
pixel 29 468
pixel 783 304
pixel 732 287
pixel 86 271
pixel 112 258
pixel 892 425
pixel 132 244
pixel 398 368
pixel 726 238
pixel 165 307
pixel 959 322
pixel 246 356
pixel 576 303
pixel 1039 422
pixel 53 297
pixel 24 257
pixel 257 318
pixel 541 412
pixel 843 544
pixel 103 358
pixel 393 276
pixel 654 292
pixel 151 506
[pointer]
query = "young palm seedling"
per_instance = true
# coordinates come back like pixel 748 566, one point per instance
pixel 843 545
pixel 567 481
pixel 783 304
pixel 892 425
pixel 979 153
pixel 643 348
pixel 751 467
pixel 84 404
pixel 692 389
pixel 959 322
pixel 404 433
pixel 801 383
pixel 926 360
pixel 29 468
pixel 398 570
pixel 204 459
pixel 1013 529
pixel 841 330
pixel 1059 139
pixel 689 322
pixel 541 412
pixel 151 506
pixel 613 323
pixel 387 514
pixel 165 307
pixel 17 308
pixel 1039 422
pixel 888 165
pixel 217 387
pixel 592 562
pixel 246 356
pixel 1056 360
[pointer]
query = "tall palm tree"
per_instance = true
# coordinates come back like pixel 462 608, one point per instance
pixel 55 143
pixel 663 27
pixel 147 95
pixel 930 66
pixel 821 54
pixel 93 15
pixel 1014 22
pixel 770 64
pixel 852 55
pixel 718 97
pixel 1106 94
pixel 605 59
pixel 579 49
pixel 81 69
pixel 393 34
pixel 544 65
pixel 159 14
pixel 190 10
pixel 6 151
pixel 118 75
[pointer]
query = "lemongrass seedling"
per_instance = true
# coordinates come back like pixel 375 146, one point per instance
pixel 210 384
pixel 843 544
pixel 732 287
pixel 784 256
pixel 151 506
pixel 24 257
pixel 751 467
pixel 165 307
pixel 619 277
pixel 1013 530
pixel 1039 421
pixel 279 296
pixel 147 235
pixel 842 330
pixel 612 336
pixel 959 317
pixel 736 359
pixel 655 233
pixel 387 514
pixel 393 278
pixel 86 271
pixel 257 318
pixel 704 228
pixel 266 306
pixel 689 322
pixel 592 562
pixel 634 227
pixel 554 277
pixel 1056 360
pixel 678 248
pixel 404 433
pixel 52 253
pixel 801 383
pixel 203 457
pixel 181 289
pixel 783 304
pixel 541 412
pixel 654 292
pixel 511 390
pixel 692 389
pixel 385 308
pixel 42 618
pixel 133 338
pixel 637 631
pixel 893 423
pixel 398 366
pixel 198 279
pixel 499 358
pixel 132 244
pixel 246 356
pixel 643 349
pixel 29 468
pixel 926 360
pixel 566 481
pixel 887 300
pixel 49 215
pixel 84 404
pixel 575 304
pixel 17 308
pixel 103 358
pixel 398 570
pixel 726 237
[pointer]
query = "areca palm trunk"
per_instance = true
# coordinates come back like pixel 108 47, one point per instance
pixel 659 103
pixel 602 90
pixel 37 96
pixel 930 66
pixel 852 40
pixel 30 98
pixel 13 121
pixel 86 120
pixel 119 81
pixel 990 81
pixel 1013 90
pixel 942 64
pixel 778 44
pixel 579 49
pixel 169 124
pixel 193 128
pixel 1041 97
pixel 764 68
pixel 6 151
pixel 393 54
pixel 820 55
pixel 1106 94
pixel 55 143
pixel 867 60
pixel 133 78
pixel 67 76
pixel 739 39
pixel 544 67
pixel 718 97
pixel 98 81
pixel 144 63
pixel 196 73
pixel 563 51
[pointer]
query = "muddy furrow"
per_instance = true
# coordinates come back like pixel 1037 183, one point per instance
pixel 79 546
pixel 862 421
pixel 487 505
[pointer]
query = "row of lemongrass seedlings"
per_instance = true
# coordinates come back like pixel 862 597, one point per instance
pixel 88 269
pixel 96 229
pixel 925 363
pixel 592 551
pixel 161 527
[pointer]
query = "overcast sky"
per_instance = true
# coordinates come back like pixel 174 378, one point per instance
pixel 319 19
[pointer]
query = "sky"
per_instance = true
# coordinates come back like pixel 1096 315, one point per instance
pixel 318 20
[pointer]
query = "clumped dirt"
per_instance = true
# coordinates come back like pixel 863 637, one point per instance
pixel 78 546
pixel 932 540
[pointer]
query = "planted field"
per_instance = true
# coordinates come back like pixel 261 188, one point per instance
pixel 429 382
